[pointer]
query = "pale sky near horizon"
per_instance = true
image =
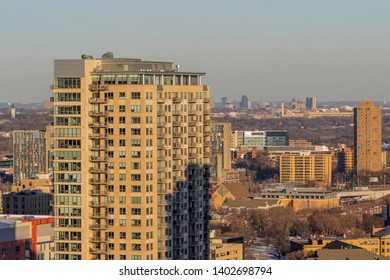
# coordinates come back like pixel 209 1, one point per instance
pixel 275 49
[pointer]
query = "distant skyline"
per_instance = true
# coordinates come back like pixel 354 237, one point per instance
pixel 276 49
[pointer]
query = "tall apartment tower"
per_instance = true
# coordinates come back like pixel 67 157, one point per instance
pixel 131 160
pixel 221 149
pixel 367 138
pixel 29 149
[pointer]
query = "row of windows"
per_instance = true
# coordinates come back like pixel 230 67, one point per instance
pixel 146 79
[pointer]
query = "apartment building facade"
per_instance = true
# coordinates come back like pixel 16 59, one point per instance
pixel 367 138
pixel 302 168
pixel 131 160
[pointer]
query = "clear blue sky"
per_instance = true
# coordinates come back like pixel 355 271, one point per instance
pixel 332 49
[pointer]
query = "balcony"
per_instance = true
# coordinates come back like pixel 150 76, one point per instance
pixel 98 240
pixel 178 145
pixel 207 132
pixel 177 134
pixel 206 122
pixel 96 88
pixel 161 147
pixel 206 111
pixel 98 226
pixel 161 112
pixel 179 167
pixel 96 136
pixel 163 180
pixel 207 154
pixel 98 204
pixel 98 148
pixel 177 112
pixel 192 112
pixel 97 125
pixel 179 178
pixel 98 100
pixel 161 123
pixel 207 143
pixel 192 123
pixel 97 182
pixel 177 99
pixel 191 100
pixel 192 133
pixel 178 156
pixel 98 251
pixel 161 135
pixel 98 193
pixel 192 155
pixel 206 100
pixel 161 100
pixel 98 216
pixel 97 114
pixel 97 159
pixel 177 123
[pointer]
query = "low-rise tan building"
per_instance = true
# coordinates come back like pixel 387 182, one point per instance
pixel 302 198
pixel 227 248
pixel 303 168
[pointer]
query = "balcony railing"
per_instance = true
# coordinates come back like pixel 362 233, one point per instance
pixel 92 87
pixel 97 114
pixel 98 100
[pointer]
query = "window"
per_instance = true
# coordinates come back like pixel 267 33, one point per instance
pixel 109 95
pixel 122 199
pixel 110 131
pixel 122 95
pixel 110 222
pixel 110 153
pixel 135 154
pixel 122 247
pixel 122 165
pixel 136 200
pixel 110 143
pixel 136 120
pixel 122 211
pixel 122 154
pixel 122 119
pixel 135 211
pixel 122 142
pixel 135 95
pixel 122 177
pixel 136 188
pixel 136 177
pixel 122 257
pixel 135 235
pixel 135 131
pixel 122 222
pixel 110 211
pixel 122 108
pixel 136 165
pixel 122 235
pixel 135 108
pixel 110 234
pixel 135 222
pixel 136 247
pixel 135 142
pixel 110 188
pixel 122 131
pixel 122 188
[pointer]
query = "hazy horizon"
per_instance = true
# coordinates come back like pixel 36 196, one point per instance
pixel 334 50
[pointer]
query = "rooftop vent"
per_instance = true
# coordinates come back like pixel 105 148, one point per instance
pixel 86 56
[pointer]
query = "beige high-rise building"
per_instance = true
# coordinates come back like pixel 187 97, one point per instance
pixel 131 160
pixel 367 138
pixel 303 168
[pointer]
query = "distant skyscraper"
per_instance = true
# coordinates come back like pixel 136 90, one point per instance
pixel 367 138
pixel 244 102
pixel 13 111
pixel 131 168
pixel 311 103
